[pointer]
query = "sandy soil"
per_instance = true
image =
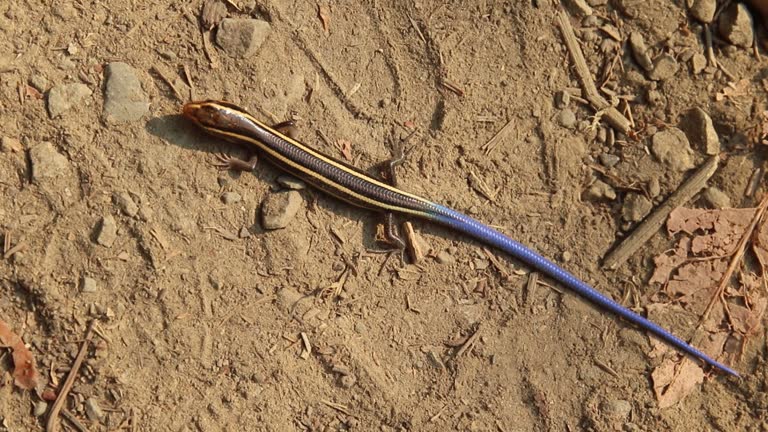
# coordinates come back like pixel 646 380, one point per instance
pixel 201 327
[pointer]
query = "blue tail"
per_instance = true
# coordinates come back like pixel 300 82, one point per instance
pixel 465 224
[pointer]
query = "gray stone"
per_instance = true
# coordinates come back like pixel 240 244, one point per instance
pixel 701 132
pixel 8 144
pixel 290 182
pixel 566 118
pixel 107 233
pixel 636 207
pixel 654 187
pixel 704 10
pixel 89 285
pixel 616 409
pixel 672 148
pixel 40 408
pixel 230 197
pixel 600 190
pixel 39 82
pixel 279 209
pixel 63 97
pixel 242 37
pixel 716 198
pixel 640 51
pixel 93 410
pixel 125 203
pixel 562 99
pixel 124 99
pixel 47 163
pixel 665 68
pixel 698 63
pixel 736 25
pixel 444 257
pixel 609 160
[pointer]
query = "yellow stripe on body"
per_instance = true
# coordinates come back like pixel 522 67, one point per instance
pixel 319 176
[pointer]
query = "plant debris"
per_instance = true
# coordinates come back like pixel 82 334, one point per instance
pixel 704 267
pixel 25 373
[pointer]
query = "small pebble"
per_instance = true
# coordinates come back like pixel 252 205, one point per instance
pixel 40 408
pixel 636 207
pixel 580 7
pixel 124 99
pixel 39 82
pixel 89 285
pixel 567 257
pixel 290 182
pixel 93 410
pixel 8 144
pixel 698 63
pixel 640 51
pixel 716 198
pixel 665 68
pixel 65 96
pixel 443 257
pixel 279 209
pixel 230 197
pixel 736 25
pixel 702 132
pixel 47 163
pixel 600 190
pixel 107 231
pixel 566 118
pixel 242 37
pixel 125 203
pixel 617 409
pixel 244 233
pixel 654 187
pixel 704 10
pixel 609 160
pixel 562 99
pixel 672 148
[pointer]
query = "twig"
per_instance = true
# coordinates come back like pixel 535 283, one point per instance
pixel 72 419
pixel 468 344
pixel 655 220
pixel 168 81
pixel 494 141
pixel 611 114
pixel 52 425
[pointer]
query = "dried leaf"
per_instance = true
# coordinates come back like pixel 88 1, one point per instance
pixel 717 231
pixel 748 321
pixel 24 368
pixel 673 382
pixel 665 264
pixel 345 147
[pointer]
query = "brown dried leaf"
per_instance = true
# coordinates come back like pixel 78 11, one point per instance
pixel 665 264
pixel 673 382
pixel 345 147
pixel 746 321
pixel 760 245
pixel 24 368
pixel 716 231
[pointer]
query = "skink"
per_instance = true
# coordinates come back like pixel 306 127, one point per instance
pixel 232 123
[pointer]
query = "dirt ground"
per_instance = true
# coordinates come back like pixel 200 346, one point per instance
pixel 203 315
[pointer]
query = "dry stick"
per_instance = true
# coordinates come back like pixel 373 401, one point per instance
pixel 52 425
pixel 735 259
pixel 610 113
pixel 655 220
